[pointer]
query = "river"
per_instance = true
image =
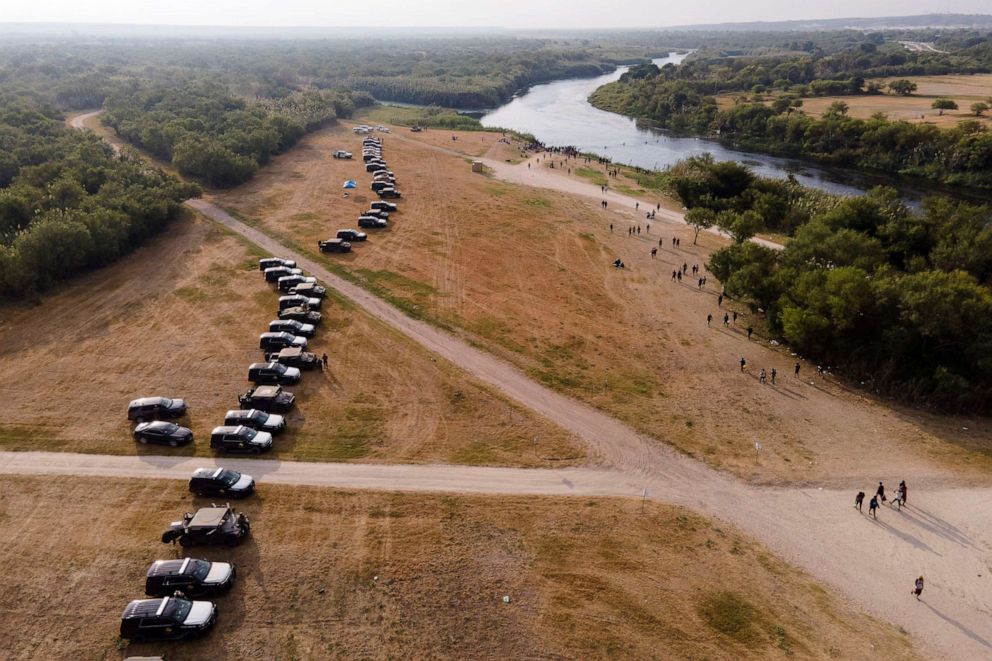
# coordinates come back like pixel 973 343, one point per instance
pixel 559 114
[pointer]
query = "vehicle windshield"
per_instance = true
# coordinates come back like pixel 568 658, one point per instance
pixel 229 477
pixel 166 402
pixel 258 416
pixel 169 427
pixel 177 609
pixel 249 432
pixel 199 569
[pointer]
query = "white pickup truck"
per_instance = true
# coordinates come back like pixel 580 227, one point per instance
pixel 342 154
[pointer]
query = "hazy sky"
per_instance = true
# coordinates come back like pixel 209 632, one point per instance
pixel 456 13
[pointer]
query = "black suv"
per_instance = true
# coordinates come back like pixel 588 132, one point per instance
pixel 240 439
pixel 273 274
pixel 210 525
pixel 309 289
pixel 291 326
pixel 162 432
pixel 287 282
pixel 351 235
pixel 277 373
pixel 300 314
pixel 298 300
pixel 294 357
pixel 273 262
pixel 334 245
pixel 194 578
pixel 255 419
pixel 382 205
pixel 372 221
pixel 153 408
pixel 271 399
pixel 221 482
pixel 166 619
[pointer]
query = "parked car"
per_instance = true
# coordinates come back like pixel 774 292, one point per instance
pixel 351 235
pixel 287 282
pixel 273 373
pixel 296 300
pixel 221 482
pixel 192 577
pixel 415 129
pixel 379 185
pixel 240 439
pixel 383 174
pixel 377 213
pixel 342 154
pixel 374 167
pixel 371 154
pixel 272 262
pixel 372 221
pixel 301 314
pixel 382 205
pixel 271 399
pixel 309 289
pixel 168 618
pixel 256 419
pixel 155 408
pixel 390 192
pixel 334 245
pixel 210 525
pixel 294 357
pixel 273 274
pixel 292 326
pixel 163 433
pixel 276 341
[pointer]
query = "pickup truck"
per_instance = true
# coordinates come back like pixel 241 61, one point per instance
pixel 342 154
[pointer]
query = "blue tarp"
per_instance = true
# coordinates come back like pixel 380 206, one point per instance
pixel 351 183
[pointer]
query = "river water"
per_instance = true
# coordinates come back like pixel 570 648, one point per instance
pixel 558 114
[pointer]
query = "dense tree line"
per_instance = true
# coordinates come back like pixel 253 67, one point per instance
pixel 67 202
pixel 213 136
pixel 896 299
pixel 680 99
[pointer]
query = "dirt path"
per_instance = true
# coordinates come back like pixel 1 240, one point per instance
pixel 541 177
pixel 945 535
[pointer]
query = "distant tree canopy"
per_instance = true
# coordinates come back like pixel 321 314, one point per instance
pixel 67 202
pixel 212 136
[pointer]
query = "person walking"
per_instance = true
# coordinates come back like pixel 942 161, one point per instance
pixel 611 228
pixel 726 319
pixel 719 300
pixel 637 206
pixel 880 492
pixel 918 588
pixel 860 498
pixel 659 242
pixel 735 317
pixel 773 376
pixel 797 370
pixel 762 376
pixel 749 331
pixel 709 318
pixel 654 251
pixel 872 507
pixel 323 359
pixel 901 494
pixel 743 364
pixel 679 274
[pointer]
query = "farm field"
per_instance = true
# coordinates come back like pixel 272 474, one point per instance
pixel 181 317
pixel 335 574
pixel 524 272
pixel 963 89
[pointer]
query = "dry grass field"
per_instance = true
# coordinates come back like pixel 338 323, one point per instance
pixel 963 89
pixel 329 574
pixel 525 273
pixel 181 317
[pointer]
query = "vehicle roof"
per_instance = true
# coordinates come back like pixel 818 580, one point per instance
pixel 290 352
pixel 152 424
pixel 208 472
pixel 169 567
pixel 266 391
pixel 145 607
pixel 144 401
pixel 208 517
pixel 227 429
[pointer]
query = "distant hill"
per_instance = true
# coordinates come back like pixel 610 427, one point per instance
pixel 948 21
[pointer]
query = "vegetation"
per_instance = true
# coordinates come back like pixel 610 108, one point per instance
pixel 67 202
pixel 894 298
pixel 427 117
pixel 682 99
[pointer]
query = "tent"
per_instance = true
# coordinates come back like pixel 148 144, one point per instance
pixel 351 183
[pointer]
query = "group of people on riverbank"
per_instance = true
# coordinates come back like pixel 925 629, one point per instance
pixel 899 502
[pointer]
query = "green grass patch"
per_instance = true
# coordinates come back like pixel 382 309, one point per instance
pixel 306 215
pixel 595 176
pixel 538 202
pixel 410 296
pixel 427 117
pixel 733 616
pixel 192 294
pixel 358 428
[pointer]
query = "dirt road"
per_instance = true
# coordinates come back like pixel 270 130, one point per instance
pixel 946 534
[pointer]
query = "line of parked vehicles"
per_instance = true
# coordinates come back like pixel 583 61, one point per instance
pixel 377 216
pixel 171 611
